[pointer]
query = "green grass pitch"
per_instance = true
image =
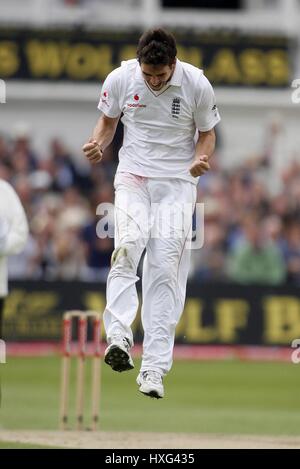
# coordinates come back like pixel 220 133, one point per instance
pixel 228 397
pixel 10 445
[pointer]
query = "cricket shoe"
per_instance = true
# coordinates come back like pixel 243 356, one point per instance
pixel 117 354
pixel 150 383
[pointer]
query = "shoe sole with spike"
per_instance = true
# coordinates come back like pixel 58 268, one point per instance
pixel 118 359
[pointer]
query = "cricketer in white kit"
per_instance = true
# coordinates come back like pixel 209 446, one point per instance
pixel 13 235
pixel 164 103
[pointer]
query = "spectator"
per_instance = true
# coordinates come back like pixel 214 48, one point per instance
pixel 291 249
pixel 255 260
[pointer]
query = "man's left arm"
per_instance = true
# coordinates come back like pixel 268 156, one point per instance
pixel 17 226
pixel 204 150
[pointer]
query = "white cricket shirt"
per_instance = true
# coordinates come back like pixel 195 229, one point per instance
pixel 159 127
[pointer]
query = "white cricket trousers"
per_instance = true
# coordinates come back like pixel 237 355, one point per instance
pixel 156 214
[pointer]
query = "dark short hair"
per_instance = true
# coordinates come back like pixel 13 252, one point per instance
pixel 157 47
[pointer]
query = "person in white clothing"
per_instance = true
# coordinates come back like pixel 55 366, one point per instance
pixel 13 235
pixel 169 113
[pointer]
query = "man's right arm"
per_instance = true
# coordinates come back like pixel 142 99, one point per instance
pixel 102 136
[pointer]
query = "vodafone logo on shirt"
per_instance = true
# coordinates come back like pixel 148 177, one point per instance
pixel 136 104
pixel 104 98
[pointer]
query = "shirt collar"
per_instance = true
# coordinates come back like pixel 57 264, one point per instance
pixel 138 72
pixel 176 79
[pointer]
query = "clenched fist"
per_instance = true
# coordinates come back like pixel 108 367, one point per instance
pixel 200 166
pixel 92 151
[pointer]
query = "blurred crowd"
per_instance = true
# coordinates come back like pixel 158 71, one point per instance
pixel 252 215
pixel 60 195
